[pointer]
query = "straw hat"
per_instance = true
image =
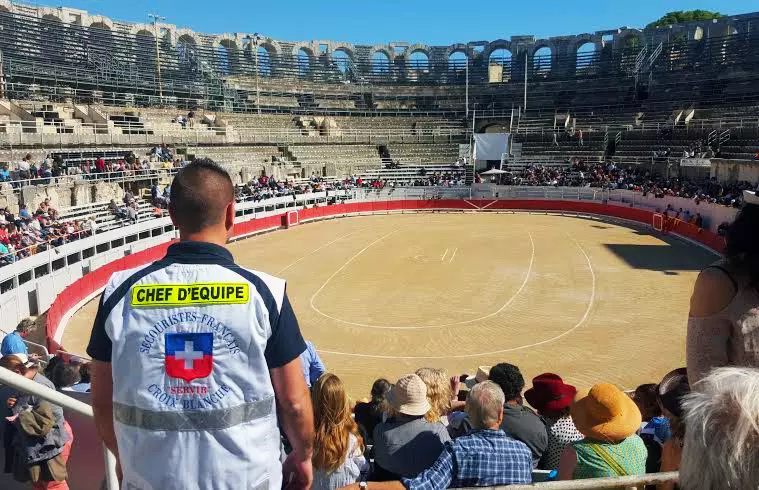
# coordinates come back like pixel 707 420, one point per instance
pixel 606 414
pixel 409 396
pixel 550 393
pixel 483 373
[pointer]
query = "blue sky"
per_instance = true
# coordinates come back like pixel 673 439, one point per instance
pixel 437 22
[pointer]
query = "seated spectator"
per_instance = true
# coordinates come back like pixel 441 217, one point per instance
pixel 406 444
pixel 65 375
pixel 40 436
pixel 609 420
pixel 721 445
pixel 485 458
pixel 438 394
pixel 313 367
pixel 13 343
pixel 551 397
pixel 84 385
pixel 369 414
pixel 338 458
pixel 671 393
pixel 519 421
pixel 655 430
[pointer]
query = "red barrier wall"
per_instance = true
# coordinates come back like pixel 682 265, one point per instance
pixel 83 287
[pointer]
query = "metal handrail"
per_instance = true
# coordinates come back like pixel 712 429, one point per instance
pixel 599 483
pixel 26 385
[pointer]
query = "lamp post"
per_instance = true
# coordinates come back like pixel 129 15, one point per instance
pixel 256 41
pixel 156 18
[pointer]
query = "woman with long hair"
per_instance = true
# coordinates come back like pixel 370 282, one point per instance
pixel 723 323
pixel 338 448
pixel 371 413
pixel 438 394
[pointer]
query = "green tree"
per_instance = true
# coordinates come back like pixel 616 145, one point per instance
pixel 679 16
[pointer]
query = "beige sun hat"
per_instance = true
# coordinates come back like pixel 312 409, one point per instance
pixel 409 396
pixel 483 373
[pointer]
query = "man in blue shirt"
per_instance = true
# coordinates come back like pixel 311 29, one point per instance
pixel 13 343
pixel 485 458
pixel 313 367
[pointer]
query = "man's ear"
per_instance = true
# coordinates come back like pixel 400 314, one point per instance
pixel 173 218
pixel 230 217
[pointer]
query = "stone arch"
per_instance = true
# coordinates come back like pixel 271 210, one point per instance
pixel 499 65
pixel 698 33
pixel 187 48
pixel 419 60
pixel 381 60
pixel 542 59
pixel 101 36
pixel 586 54
pixel 145 48
pixel 629 40
pixel 458 48
pixel 188 37
pixel 101 23
pixel 497 44
pixel 342 58
pixel 227 53
pixel 457 60
pixel 6 7
pixel 304 59
pixel 46 17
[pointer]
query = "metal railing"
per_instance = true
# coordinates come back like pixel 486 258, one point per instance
pixel 9 378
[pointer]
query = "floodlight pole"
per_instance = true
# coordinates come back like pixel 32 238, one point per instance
pixel 257 40
pixel 157 18
pixel 525 83
pixel 467 87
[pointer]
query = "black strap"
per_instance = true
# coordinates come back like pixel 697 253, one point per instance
pixel 729 276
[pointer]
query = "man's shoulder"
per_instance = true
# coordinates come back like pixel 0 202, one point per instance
pixel 263 282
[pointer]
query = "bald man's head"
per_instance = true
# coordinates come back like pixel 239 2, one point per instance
pixel 200 194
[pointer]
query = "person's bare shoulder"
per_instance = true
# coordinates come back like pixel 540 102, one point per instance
pixel 713 291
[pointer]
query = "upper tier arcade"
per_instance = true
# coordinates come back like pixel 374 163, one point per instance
pixel 76 39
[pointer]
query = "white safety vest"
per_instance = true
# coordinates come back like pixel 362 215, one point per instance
pixel 193 400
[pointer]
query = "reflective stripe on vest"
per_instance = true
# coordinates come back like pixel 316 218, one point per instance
pixel 219 419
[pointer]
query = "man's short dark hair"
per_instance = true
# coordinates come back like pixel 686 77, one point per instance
pixel 200 194
pixel 27 325
pixel 509 378
pixel 65 375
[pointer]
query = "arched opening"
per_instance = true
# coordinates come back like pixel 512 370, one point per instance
pixel 101 37
pixel 342 60
pixel 263 61
pixel 457 61
pixel 698 33
pixel 541 61
pixel 145 50
pixel 226 54
pixel 586 56
pixel 52 39
pixel 380 63
pixel 419 61
pixel 304 62
pixel 499 66
pixel 187 51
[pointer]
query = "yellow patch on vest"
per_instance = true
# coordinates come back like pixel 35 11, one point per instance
pixel 202 293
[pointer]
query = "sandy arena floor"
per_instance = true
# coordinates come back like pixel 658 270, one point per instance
pixel 381 296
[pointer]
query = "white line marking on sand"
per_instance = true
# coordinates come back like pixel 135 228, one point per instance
pixel 454 255
pixel 442 259
pixel 411 327
pixel 316 250
pixel 584 318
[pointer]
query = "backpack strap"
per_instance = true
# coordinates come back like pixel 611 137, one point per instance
pixel 608 459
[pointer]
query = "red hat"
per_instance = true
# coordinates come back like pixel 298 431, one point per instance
pixel 550 393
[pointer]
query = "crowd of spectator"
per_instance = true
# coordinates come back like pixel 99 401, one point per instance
pixel 610 175
pixel 26 233
pixel 431 431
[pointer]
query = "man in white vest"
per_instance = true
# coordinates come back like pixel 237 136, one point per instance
pixel 193 357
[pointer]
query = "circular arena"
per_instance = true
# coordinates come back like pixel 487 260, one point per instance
pixel 385 295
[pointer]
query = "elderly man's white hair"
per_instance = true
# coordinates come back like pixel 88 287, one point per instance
pixel 484 405
pixel 721 447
